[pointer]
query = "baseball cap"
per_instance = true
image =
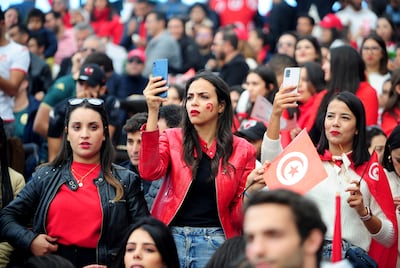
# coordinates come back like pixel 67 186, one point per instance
pixel 331 21
pixel 252 130
pixel 138 53
pixel 92 74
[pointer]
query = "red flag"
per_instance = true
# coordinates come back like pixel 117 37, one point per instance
pixel 297 168
pixel 375 177
pixel 337 233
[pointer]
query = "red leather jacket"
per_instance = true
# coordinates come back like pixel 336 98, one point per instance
pixel 162 153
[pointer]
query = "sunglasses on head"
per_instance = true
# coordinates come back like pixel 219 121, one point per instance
pixel 92 101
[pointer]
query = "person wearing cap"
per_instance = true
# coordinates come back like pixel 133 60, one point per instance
pixel 253 131
pixel 13 68
pixel 91 83
pixel 132 81
pixel 331 31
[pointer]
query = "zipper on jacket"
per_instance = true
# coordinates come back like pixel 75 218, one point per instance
pixel 102 225
pixel 48 205
pixel 180 205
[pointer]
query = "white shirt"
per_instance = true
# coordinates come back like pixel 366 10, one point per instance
pixel 358 19
pixel 12 57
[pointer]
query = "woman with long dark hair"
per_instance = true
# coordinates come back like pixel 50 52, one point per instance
pixel 374 54
pixel 204 168
pixel 148 244
pixel 11 184
pixel 345 71
pixel 80 203
pixel 345 158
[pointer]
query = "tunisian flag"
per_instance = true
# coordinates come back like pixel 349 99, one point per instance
pixel 298 167
pixel 375 177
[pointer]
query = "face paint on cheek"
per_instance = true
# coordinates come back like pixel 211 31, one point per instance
pixel 210 107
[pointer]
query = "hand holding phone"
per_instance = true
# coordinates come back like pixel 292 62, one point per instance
pixel 160 68
pixel 291 77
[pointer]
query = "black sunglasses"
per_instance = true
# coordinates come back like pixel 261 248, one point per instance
pixel 92 101
pixel 135 60
pixel 88 48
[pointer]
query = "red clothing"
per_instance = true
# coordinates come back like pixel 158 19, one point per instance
pixel 367 94
pixel 75 217
pixel 163 153
pixel 308 112
pixel 390 120
pixel 240 13
pixel 109 28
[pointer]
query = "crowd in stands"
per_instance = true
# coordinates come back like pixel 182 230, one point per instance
pixel 197 156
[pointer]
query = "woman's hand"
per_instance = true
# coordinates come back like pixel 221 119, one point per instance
pixel 255 180
pixel 43 244
pixel 155 86
pixel 285 98
pixel 294 132
pixel 356 199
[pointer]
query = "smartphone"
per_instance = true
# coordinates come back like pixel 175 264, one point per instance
pixel 291 77
pixel 160 68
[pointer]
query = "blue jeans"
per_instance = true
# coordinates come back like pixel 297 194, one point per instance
pixel 197 245
pixel 327 249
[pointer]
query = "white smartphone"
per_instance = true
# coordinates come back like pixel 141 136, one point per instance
pixel 291 77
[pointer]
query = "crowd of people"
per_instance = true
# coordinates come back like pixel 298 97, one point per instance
pixel 98 170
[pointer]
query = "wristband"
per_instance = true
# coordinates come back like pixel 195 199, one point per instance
pixel 368 216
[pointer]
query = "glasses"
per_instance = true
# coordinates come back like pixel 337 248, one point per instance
pixel 373 49
pixel 285 44
pixel 88 48
pixel 92 101
pixel 135 60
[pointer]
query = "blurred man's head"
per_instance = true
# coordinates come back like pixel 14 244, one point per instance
pixel 133 136
pixel 282 229
pixel 135 62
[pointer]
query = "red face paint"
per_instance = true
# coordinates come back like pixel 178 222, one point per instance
pixel 210 107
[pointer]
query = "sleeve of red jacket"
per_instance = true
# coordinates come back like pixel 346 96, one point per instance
pixel 236 208
pixel 154 155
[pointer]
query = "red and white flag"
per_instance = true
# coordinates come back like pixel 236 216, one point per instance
pixel 298 167
pixel 375 177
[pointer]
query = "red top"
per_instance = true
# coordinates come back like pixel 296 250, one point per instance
pixel 390 120
pixel 75 217
pixel 107 28
pixel 367 94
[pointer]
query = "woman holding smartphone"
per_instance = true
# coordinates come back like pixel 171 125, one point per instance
pixel 204 165
pixel 344 156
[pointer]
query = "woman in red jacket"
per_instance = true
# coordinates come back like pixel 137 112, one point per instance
pixel 204 165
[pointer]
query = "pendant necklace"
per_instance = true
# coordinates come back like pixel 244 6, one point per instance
pixel 82 178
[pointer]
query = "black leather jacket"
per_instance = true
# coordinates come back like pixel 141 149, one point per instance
pixel 34 200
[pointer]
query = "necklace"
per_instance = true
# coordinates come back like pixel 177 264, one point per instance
pixel 82 178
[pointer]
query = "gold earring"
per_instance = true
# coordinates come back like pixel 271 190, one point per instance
pixel 390 158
